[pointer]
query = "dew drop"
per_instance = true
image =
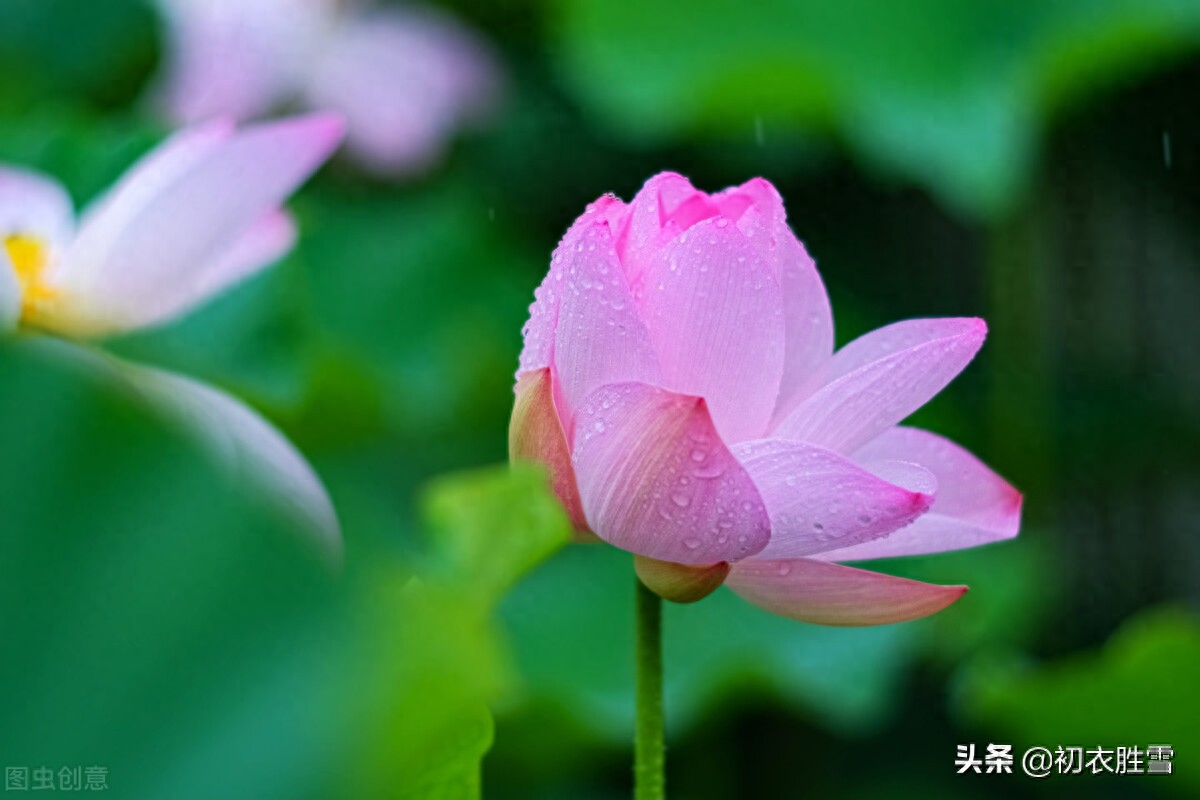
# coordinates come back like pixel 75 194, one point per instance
pixel 691 543
pixel 784 568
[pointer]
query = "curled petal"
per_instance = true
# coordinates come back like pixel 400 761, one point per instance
pixel 973 505
pixel 879 379
pixel 247 447
pixel 831 594
pixel 656 479
pixel 33 205
pixel 599 338
pixel 666 206
pixel 819 500
pixel 714 310
pixel 148 248
pixel 535 434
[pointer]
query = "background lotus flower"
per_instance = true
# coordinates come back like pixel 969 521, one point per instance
pixel 679 380
pixel 404 79
pixel 193 217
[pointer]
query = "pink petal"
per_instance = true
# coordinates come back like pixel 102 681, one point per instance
pixel 714 310
pixel 140 255
pixel 405 81
pixel 666 206
pixel 539 331
pixel 973 505
pixel 33 205
pixel 879 379
pixel 808 319
pixel 267 240
pixel 656 479
pixel 536 434
pixel 232 58
pixel 830 594
pixel 599 338
pixel 819 500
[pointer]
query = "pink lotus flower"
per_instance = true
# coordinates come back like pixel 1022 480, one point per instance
pixel 195 216
pixel 678 380
pixel 404 80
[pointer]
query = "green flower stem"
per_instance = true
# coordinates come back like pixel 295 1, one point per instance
pixel 649 781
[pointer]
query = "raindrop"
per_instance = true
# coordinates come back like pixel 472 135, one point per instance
pixel 691 544
pixel 784 568
pixel 680 499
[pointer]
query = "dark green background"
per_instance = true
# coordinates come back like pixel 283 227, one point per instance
pixel 1037 164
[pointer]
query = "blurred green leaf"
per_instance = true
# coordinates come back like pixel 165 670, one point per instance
pixel 158 621
pixel 490 528
pixel 419 287
pixel 1139 690
pixel 78 49
pixel 949 94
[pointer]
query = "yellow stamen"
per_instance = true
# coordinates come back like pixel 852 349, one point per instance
pixel 30 257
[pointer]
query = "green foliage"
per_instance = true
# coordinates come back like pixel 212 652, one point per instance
pixel 952 95
pixel 176 632
pixel 571 625
pixel 1139 690
pixel 490 530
